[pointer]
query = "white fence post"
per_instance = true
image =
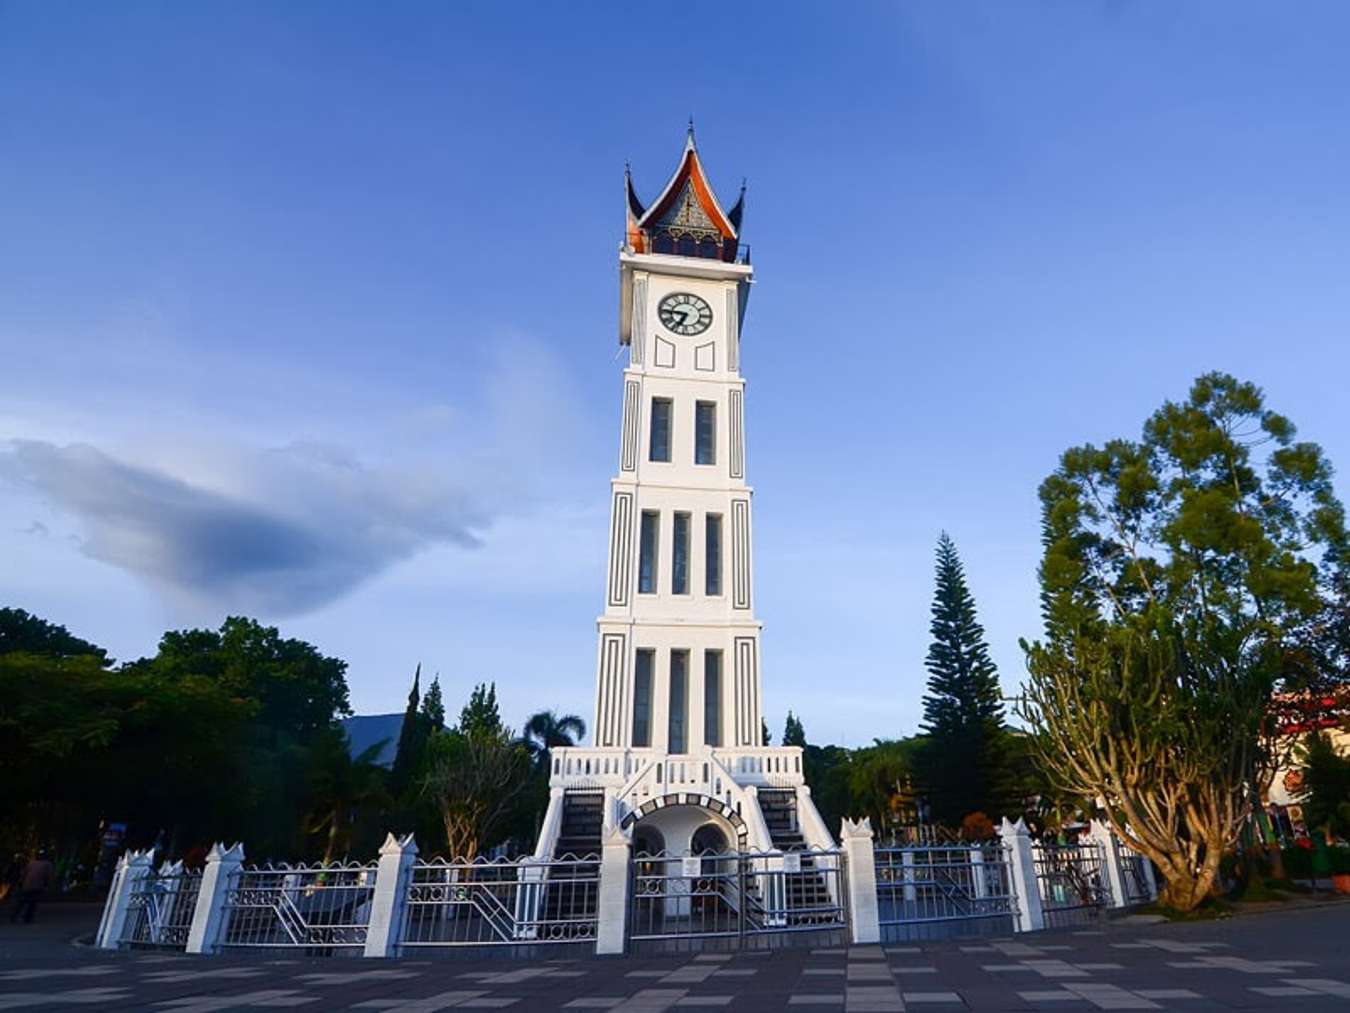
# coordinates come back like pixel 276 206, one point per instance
pixel 856 838
pixel 977 872
pixel 611 909
pixel 208 919
pixel 389 899
pixel 1114 874
pixel 132 868
pixel 1022 865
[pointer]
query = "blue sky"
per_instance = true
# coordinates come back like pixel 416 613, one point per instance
pixel 308 311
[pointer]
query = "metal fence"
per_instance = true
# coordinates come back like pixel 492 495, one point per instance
pixel 160 908
pixel 940 892
pixel 319 907
pixel 740 899
pixel 1072 886
pixel 502 903
pixel 1133 876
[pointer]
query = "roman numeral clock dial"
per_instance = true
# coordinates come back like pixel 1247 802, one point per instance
pixel 683 313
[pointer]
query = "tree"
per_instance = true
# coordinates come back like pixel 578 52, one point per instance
pixel 963 711
pixel 1180 579
pixel 22 631
pixel 412 738
pixel 764 732
pixel 1325 791
pixel 342 788
pixel 793 732
pixel 299 690
pixel 480 716
pixel 475 781
pixel 433 707
pixel 546 731
pixel 881 782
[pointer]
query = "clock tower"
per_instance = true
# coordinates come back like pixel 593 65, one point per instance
pixel 678 756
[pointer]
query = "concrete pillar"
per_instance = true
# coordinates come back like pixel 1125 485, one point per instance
pixel 132 869
pixel 1022 864
pixel 856 840
pixel 208 920
pixel 389 900
pixel 611 909
pixel 1113 872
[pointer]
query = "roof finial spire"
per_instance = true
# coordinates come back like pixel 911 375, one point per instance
pixel 691 129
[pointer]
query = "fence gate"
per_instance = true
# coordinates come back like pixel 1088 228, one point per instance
pixel 1070 879
pixel 318 907
pixel 935 892
pixel 737 899
pixel 160 908
pixel 524 903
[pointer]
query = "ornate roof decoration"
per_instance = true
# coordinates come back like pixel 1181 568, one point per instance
pixel 687 217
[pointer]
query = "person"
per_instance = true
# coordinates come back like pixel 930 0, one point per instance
pixel 37 880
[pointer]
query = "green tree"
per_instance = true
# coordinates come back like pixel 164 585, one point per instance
pixel 881 783
pixel 962 764
pixel 480 715
pixel 345 790
pixel 793 732
pixel 1325 792
pixel 1181 576
pixel 476 781
pixel 546 731
pixel 22 631
pixel 764 732
pixel 299 691
pixel 433 706
pixel 412 739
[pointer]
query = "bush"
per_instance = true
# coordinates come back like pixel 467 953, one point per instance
pixel 1297 862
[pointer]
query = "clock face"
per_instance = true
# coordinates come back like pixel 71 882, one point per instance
pixel 682 313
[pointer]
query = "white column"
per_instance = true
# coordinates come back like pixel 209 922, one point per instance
pixel 389 899
pixel 1108 847
pixel 856 838
pixel 1022 864
pixel 611 910
pixel 911 893
pixel 132 868
pixel 208 920
pixel 977 872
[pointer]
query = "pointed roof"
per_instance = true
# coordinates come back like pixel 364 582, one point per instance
pixel 688 195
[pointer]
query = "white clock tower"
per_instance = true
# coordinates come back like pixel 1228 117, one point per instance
pixel 678 755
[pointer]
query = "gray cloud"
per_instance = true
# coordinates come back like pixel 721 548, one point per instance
pixel 283 532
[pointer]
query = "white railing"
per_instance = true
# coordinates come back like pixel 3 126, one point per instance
pixel 591 767
pixel 308 906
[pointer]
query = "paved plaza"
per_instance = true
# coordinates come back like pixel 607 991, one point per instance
pixel 1273 961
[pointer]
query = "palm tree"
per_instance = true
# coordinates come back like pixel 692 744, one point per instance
pixel 546 730
pixel 342 788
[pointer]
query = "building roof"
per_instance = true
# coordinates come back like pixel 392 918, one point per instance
pixel 365 730
pixel 687 205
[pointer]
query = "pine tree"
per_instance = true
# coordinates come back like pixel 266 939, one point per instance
pixel 963 708
pixel 480 716
pixel 793 732
pixel 764 732
pixel 408 757
pixel 433 707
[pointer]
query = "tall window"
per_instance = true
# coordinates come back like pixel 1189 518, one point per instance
pixel 642 699
pixel 712 545
pixel 705 432
pixel 712 698
pixel 647 552
pixel 679 558
pixel 679 701
pixel 660 445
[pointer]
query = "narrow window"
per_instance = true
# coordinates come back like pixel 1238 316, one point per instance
pixel 712 697
pixel 642 699
pixel 705 433
pixel 660 445
pixel 679 559
pixel 647 552
pixel 712 543
pixel 679 701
